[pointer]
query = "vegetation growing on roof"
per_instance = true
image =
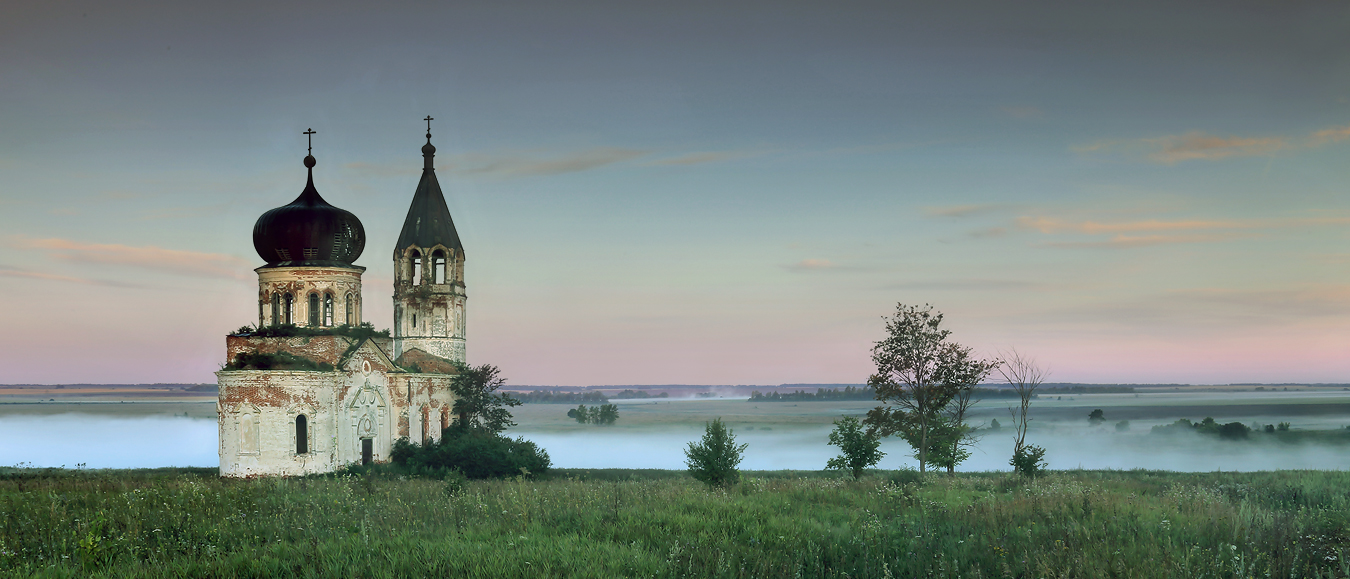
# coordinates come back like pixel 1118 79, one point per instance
pixel 275 361
pixel 364 330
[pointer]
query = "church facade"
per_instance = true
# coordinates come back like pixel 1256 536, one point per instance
pixel 311 389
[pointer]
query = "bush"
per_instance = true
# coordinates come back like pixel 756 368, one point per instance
pixel 1123 426
pixel 905 476
pixel 1029 460
pixel 714 460
pixel 275 361
pixel 364 330
pixel 857 448
pixel 1096 417
pixel 470 453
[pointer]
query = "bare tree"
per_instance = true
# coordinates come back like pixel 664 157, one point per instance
pixel 919 373
pixel 1024 375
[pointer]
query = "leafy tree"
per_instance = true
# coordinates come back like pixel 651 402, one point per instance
pixel 858 449
pixel 1029 460
pixel 994 425
pixel 606 414
pixel 1096 417
pixel 580 413
pixel 1024 375
pixel 1123 426
pixel 714 460
pixel 919 374
pixel 477 405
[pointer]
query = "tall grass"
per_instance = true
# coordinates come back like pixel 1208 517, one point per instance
pixel 172 523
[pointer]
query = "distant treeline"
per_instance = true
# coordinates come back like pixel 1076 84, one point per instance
pixel 639 394
pixel 846 393
pixel 855 393
pixel 1085 389
pixel 545 397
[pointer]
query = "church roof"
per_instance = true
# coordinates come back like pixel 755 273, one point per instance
pixel 428 222
pixel 309 231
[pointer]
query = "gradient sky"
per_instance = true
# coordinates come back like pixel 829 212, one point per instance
pixel 715 193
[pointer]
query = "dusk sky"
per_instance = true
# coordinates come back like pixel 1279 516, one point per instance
pixel 701 193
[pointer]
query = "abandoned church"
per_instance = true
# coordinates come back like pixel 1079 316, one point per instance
pixel 311 389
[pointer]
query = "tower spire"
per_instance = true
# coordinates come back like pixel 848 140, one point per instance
pixel 428 150
pixel 309 158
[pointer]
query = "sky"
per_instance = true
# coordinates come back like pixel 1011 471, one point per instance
pixel 696 192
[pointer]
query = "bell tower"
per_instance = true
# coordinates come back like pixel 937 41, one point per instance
pixel 429 272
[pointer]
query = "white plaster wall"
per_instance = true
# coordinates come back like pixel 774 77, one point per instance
pixel 274 398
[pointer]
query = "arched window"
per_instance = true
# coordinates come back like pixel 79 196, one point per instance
pixel 313 310
pixel 288 312
pixel 351 308
pixel 438 267
pixel 276 309
pixel 301 434
pixel 416 267
pixel 328 309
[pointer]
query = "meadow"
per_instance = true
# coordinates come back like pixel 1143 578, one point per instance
pixel 626 523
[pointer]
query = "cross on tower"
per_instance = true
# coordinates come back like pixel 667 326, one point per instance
pixel 310 133
pixel 428 120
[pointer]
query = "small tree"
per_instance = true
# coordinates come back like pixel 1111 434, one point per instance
pixel 714 460
pixel 580 413
pixel 607 414
pixel 1096 417
pixel 477 406
pixel 919 374
pixel 858 449
pixel 1024 375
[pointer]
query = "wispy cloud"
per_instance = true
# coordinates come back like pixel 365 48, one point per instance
pixel 182 212
pixel 974 284
pixel 506 164
pixel 1198 145
pixel 701 157
pixel 526 165
pixel 1128 241
pixel 963 210
pixel 813 265
pixel 8 271
pixel 1022 111
pixel 1053 225
pixel 1149 232
pixel 398 169
pixel 147 257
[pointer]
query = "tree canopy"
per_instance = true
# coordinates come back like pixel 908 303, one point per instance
pixel 478 406
pixel 926 381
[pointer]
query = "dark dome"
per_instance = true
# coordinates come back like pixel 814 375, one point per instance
pixel 309 231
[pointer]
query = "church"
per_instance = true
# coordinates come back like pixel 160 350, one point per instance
pixel 310 389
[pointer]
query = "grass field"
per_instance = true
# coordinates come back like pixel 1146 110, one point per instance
pixel 174 523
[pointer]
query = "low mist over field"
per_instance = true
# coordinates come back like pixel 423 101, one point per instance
pixel 653 433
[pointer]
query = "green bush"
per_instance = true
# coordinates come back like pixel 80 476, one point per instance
pixel 471 453
pixel 364 330
pixel 1029 460
pixel 858 449
pixel 713 461
pixel 275 361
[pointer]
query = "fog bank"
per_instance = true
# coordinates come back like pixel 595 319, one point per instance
pixel 101 441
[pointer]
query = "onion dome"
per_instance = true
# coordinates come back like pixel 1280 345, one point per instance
pixel 309 231
pixel 428 223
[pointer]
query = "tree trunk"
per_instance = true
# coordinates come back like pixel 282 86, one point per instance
pixel 923 446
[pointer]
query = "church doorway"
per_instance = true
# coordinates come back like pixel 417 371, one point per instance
pixel 367 450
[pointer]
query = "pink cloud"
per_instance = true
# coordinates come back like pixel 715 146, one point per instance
pixel 147 257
